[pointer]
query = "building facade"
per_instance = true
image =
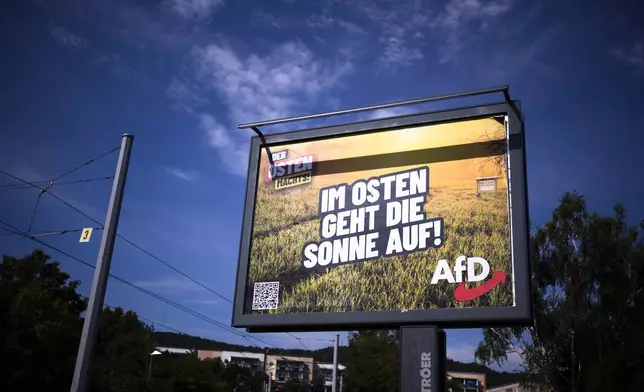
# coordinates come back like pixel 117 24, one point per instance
pixel 208 354
pixel 281 369
pixel 253 361
pixel 468 382
pixel 175 351
pixel 515 387
pixel 325 371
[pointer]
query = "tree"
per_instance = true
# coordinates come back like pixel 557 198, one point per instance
pixel 373 362
pixel 588 298
pixel 122 352
pixel 188 373
pixel 40 329
pixel 40 324
pixel 295 386
pixel 318 384
pixel 452 384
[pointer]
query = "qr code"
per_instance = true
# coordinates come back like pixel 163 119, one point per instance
pixel 265 295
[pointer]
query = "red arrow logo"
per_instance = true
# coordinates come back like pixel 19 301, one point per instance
pixel 462 293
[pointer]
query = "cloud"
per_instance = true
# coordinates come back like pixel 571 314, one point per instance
pixel 171 285
pixel 270 86
pixel 513 363
pixel 632 56
pixel 255 87
pixel 462 353
pixel 195 9
pixel 66 38
pixel 115 65
pixel 402 31
pixel 325 21
pixel 465 353
pixel 457 16
pixel 186 175
pixel 135 25
pixel 398 53
pixel 233 152
pixel 203 301
pixel 186 96
pixel 389 112
pixel 261 17
pixel 525 58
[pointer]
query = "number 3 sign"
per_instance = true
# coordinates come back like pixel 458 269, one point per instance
pixel 85 234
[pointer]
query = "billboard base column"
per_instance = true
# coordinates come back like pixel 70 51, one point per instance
pixel 423 352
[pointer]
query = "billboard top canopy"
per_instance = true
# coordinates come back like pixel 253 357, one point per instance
pixel 502 89
pixel 492 90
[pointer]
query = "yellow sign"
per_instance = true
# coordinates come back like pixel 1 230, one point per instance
pixel 86 234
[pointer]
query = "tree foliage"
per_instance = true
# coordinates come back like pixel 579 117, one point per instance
pixel 587 288
pixel 40 327
pixel 122 352
pixel 40 323
pixel 373 364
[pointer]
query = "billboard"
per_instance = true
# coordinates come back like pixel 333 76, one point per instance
pixel 417 219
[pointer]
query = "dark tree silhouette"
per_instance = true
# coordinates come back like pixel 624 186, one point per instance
pixel 588 301
pixel 40 323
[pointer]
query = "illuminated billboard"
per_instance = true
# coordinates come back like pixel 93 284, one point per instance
pixel 416 219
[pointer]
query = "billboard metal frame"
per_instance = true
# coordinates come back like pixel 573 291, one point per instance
pixel 517 315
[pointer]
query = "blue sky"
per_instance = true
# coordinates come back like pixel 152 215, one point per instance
pixel 181 74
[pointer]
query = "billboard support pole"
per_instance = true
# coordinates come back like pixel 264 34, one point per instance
pixel 422 359
pixel 335 364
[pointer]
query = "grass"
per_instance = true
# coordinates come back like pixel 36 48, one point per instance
pixel 473 227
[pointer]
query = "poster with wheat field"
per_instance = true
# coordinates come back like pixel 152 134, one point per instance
pixel 404 219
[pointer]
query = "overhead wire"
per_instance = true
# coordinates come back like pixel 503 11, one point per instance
pixel 13 187
pixel 52 195
pixel 68 172
pixel 141 289
pixel 33 213
pixel 52 232
pixel 121 237
pixel 183 308
pixel 51 183
pixel 152 322
pixel 174 268
pixel 150 254
pixel 141 317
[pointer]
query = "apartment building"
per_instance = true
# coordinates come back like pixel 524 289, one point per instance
pixel 469 382
pixel 175 351
pixel 251 360
pixel 325 371
pixel 515 387
pixel 282 368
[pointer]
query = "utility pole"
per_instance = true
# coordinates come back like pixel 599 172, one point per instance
pixel 102 271
pixel 335 364
pixel 270 375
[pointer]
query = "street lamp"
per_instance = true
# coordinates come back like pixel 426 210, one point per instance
pixel 152 354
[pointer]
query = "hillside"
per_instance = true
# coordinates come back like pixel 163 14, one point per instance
pixel 171 339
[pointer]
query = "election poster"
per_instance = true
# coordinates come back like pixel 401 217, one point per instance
pixel 404 219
